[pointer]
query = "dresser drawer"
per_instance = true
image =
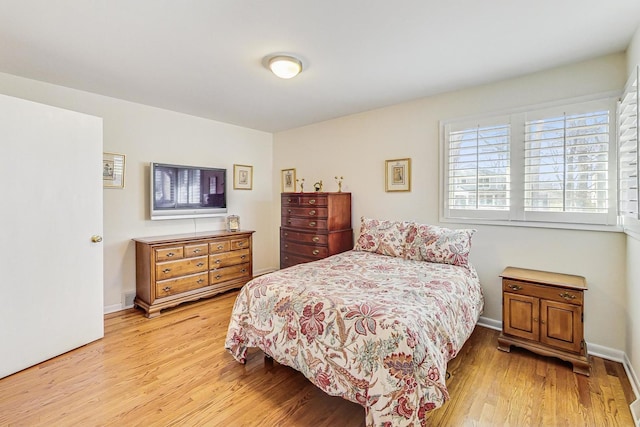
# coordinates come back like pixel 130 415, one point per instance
pixel 228 258
pixel 305 199
pixel 237 244
pixel 310 251
pixel 166 254
pixel 219 246
pixel 308 212
pixel 196 250
pixel 229 273
pixel 541 291
pixel 305 223
pixel 303 237
pixel 287 260
pixel 165 288
pixel 169 269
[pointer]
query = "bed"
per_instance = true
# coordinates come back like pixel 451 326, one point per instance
pixel 375 325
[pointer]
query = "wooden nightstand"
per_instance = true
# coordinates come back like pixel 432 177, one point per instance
pixel 543 312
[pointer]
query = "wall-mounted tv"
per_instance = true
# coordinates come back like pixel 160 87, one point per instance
pixel 187 191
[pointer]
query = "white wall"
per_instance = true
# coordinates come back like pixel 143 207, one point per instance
pixel 145 134
pixel 356 146
pixel 633 253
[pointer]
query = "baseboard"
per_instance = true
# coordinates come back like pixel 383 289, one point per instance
pixel 635 412
pixel 490 323
pixel 113 308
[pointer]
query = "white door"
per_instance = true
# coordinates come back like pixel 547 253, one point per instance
pixel 51 292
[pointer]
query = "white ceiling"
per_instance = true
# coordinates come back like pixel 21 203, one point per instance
pixel 205 57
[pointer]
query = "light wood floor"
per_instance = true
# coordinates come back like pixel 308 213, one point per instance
pixel 174 371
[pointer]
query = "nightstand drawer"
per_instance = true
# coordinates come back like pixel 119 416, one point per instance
pixel 553 293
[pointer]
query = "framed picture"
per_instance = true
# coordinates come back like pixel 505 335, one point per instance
pixel 112 170
pixel 288 177
pixel 397 175
pixel 242 177
pixel 233 223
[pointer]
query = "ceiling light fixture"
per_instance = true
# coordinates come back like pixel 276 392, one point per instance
pixel 285 66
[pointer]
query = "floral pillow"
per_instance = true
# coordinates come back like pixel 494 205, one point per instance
pixel 438 244
pixel 382 237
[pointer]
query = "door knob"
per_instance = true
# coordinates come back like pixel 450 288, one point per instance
pixel 96 239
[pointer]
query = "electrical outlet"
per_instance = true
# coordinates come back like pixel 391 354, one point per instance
pixel 128 299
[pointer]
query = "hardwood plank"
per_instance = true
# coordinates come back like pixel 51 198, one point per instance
pixel 173 371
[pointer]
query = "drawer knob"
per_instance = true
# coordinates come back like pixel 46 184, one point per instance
pixel 286 246
pixel 289 210
pixel 166 288
pixel 286 234
pixel 200 264
pixel 312 224
pixel 514 287
pixel 288 200
pixel 166 270
pixel 316 251
pixel 170 254
pixel 217 261
pixel 316 239
pixel 243 257
pixel 567 296
pixel 196 251
pixel 312 201
pixel 200 280
pixel 240 243
pixel 244 270
pixel 288 221
pixel 218 276
pixel 312 213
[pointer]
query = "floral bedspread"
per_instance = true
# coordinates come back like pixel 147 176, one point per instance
pixel 373 329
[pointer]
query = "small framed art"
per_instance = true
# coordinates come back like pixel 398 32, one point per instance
pixel 288 177
pixel 397 175
pixel 242 177
pixel 112 170
pixel 233 223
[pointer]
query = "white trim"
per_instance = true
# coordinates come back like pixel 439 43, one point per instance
pixel 113 308
pixel 490 323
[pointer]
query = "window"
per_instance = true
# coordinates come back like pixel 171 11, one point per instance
pixel 551 165
pixel 628 156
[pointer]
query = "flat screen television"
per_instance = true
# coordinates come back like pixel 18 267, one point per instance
pixel 187 191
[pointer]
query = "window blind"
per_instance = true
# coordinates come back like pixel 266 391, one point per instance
pixel 478 165
pixel 628 153
pixel 567 163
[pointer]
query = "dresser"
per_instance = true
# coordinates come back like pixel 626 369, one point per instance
pixel 174 269
pixel 544 312
pixel 314 226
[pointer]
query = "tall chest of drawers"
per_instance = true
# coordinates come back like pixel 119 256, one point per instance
pixel 314 226
pixel 174 269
